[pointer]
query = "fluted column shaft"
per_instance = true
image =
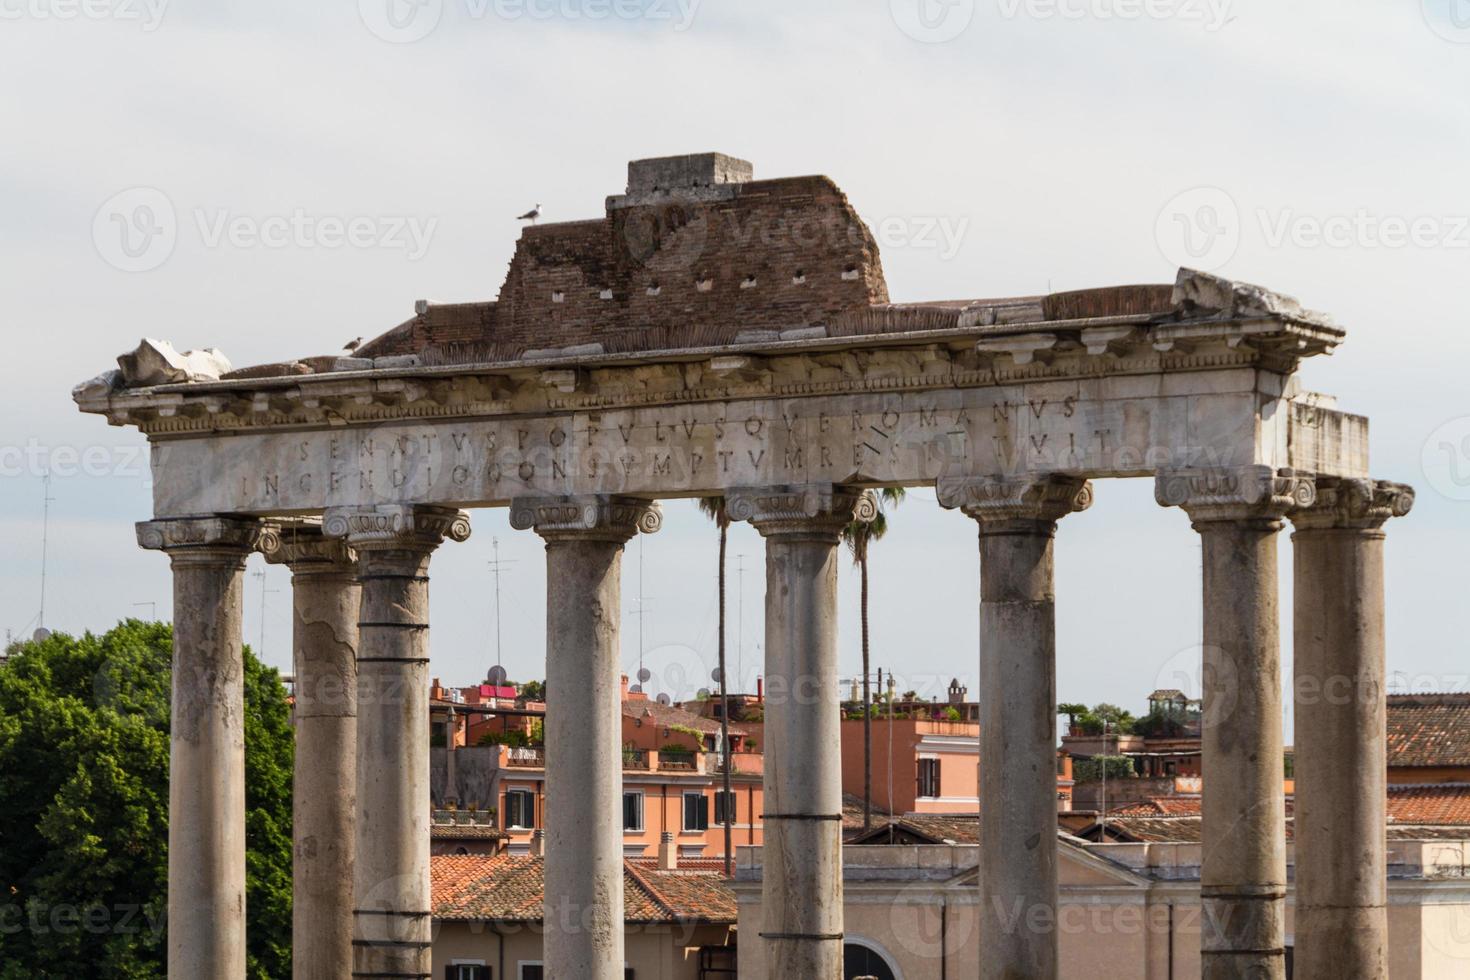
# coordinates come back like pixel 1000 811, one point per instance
pixel 326 599
pixel 1243 874
pixel 1018 738
pixel 1341 719
pixel 206 785
pixel 392 919
pixel 801 877
pixel 583 816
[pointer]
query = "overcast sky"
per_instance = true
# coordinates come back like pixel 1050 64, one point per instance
pixel 998 147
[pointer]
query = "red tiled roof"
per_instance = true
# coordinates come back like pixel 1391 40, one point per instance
pixel 1160 806
pixel 1447 803
pixel 511 888
pixel 668 716
pixel 1429 729
pixel 852 813
pixel 466 831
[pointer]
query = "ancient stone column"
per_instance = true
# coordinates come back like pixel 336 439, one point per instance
pixel 1237 513
pixel 801 879
pixel 206 785
pixel 391 917
pixel 584 726
pixel 1018 736
pixel 1341 716
pixel 325 599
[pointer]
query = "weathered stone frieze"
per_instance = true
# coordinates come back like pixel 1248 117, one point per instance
pixel 1046 498
pixel 223 533
pixel 303 546
pixel 393 525
pixel 624 516
pixel 1235 493
pixel 812 507
pixel 1353 503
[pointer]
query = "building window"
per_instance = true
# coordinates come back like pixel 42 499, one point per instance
pixel 696 811
pixel 467 971
pixel 632 811
pixel 520 809
pixel 532 971
pixel 929 777
pixel 724 807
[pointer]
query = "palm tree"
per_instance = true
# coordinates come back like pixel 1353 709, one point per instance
pixel 714 509
pixel 859 535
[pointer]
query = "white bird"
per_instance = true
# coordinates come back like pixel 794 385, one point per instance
pixel 352 345
pixel 530 215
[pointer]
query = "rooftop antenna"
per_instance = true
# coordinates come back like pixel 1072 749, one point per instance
pixel 152 609
pixel 643 602
pixel 495 566
pixel 740 619
pixel 263 593
pixel 46 499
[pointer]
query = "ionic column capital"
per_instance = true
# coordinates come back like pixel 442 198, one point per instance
pixel 303 547
pixel 822 509
pixel 1344 503
pixel 202 540
pixel 1004 504
pixel 596 516
pixel 396 527
pixel 1242 494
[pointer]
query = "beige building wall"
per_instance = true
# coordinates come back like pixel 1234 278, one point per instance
pixel 654 952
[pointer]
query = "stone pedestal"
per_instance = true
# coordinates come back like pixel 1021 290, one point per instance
pixel 584 726
pixel 392 918
pixel 206 786
pixel 1341 765
pixel 802 877
pixel 1243 875
pixel 1018 793
pixel 325 598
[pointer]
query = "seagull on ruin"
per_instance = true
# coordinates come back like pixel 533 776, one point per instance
pixel 530 215
pixel 352 345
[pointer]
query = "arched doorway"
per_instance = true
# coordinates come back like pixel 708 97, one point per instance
pixel 861 961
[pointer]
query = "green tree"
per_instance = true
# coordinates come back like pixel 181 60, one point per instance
pixel 1073 711
pixel 859 536
pixel 533 691
pixel 84 750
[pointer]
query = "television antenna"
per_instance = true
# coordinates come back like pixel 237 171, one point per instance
pixel 740 617
pixel 496 564
pixel 643 603
pixel 263 593
pixel 46 500
pixel 152 609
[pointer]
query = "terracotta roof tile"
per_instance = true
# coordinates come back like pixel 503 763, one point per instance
pixel 667 715
pixel 511 888
pixel 1446 803
pixel 1429 729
